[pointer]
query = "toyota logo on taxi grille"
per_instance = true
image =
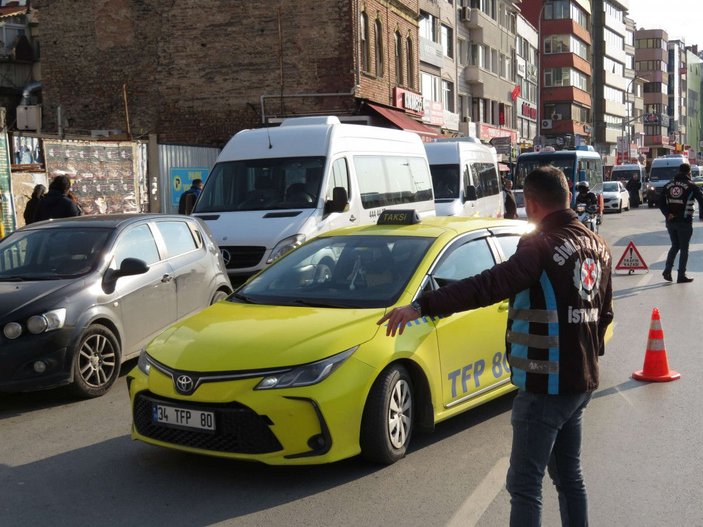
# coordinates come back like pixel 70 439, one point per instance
pixel 185 384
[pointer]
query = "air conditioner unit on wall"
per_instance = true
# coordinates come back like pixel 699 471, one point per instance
pixel 466 14
pixel 546 124
pixel 556 116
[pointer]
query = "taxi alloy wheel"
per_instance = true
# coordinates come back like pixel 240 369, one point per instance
pixel 388 416
pixel 97 362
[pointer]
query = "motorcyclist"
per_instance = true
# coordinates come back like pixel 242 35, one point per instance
pixel 584 195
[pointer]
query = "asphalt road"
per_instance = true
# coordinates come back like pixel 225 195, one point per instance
pixel 69 462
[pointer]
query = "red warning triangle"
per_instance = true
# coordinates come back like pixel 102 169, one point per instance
pixel 631 259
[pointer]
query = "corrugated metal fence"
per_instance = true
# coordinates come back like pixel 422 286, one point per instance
pixel 178 166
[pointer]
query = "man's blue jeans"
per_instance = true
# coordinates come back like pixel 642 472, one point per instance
pixel 680 233
pixel 547 434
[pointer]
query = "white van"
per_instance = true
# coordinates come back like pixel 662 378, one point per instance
pixel 662 170
pixel 624 174
pixel 274 188
pixel 465 178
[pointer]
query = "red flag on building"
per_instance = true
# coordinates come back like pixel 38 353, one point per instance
pixel 516 92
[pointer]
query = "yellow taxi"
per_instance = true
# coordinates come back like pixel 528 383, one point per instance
pixel 293 368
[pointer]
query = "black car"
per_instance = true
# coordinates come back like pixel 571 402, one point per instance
pixel 79 296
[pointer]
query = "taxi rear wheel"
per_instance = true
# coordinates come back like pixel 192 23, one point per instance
pixel 97 362
pixel 387 423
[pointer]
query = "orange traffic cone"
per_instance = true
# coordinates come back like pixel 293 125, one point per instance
pixel 656 365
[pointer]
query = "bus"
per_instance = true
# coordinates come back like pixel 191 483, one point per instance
pixel 582 164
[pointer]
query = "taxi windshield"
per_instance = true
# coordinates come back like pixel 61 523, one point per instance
pixel 340 272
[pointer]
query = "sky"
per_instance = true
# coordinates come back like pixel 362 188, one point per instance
pixel 679 18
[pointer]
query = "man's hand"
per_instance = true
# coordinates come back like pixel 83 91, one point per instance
pixel 398 319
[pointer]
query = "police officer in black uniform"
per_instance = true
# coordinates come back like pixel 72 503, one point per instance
pixel 676 203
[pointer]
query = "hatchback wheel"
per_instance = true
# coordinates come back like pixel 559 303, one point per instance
pixel 218 297
pixel 96 363
pixel 387 423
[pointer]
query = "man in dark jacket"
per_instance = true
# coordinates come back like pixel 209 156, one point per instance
pixel 560 290
pixel 189 197
pixel 510 204
pixel 676 203
pixel 56 203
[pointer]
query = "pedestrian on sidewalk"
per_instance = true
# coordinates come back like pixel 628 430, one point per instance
pixel 560 290
pixel 676 204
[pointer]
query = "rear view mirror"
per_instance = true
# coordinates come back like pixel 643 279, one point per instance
pixel 339 202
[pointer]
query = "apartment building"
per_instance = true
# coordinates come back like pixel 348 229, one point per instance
pixel 678 94
pixel 634 102
pixel 611 84
pixel 489 27
pixel 526 47
pixel 694 77
pixel 439 64
pixel 651 64
pixel 565 101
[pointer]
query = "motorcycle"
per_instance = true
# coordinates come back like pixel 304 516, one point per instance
pixel 588 216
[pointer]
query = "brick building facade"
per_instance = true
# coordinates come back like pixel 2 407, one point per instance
pixel 197 71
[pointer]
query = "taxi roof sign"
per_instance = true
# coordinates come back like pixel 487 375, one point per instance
pixel 398 217
pixel 631 260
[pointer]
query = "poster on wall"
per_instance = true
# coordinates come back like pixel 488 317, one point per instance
pixel 181 180
pixel 8 209
pixel 105 175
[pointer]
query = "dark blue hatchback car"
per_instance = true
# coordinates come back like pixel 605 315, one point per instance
pixel 80 296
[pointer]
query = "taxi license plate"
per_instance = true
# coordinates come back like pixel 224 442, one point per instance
pixel 183 417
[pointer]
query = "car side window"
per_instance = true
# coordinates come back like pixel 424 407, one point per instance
pixel 508 244
pixel 464 261
pixel 178 237
pixel 339 177
pixel 136 243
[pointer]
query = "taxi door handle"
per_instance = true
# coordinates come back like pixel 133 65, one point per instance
pixel 504 306
pixel 166 278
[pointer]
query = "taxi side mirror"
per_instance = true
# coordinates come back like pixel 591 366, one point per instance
pixel 339 201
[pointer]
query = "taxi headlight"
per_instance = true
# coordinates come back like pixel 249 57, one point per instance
pixel 143 362
pixel 12 330
pixel 49 321
pixel 307 374
pixel 284 246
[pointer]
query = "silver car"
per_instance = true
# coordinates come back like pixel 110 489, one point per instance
pixel 80 296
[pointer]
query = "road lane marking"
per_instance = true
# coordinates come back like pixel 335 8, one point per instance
pixel 648 277
pixel 470 512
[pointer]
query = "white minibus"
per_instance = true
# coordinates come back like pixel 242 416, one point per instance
pixel 274 188
pixel 465 178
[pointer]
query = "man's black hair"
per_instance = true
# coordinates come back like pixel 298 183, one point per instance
pixel 547 185
pixel 60 183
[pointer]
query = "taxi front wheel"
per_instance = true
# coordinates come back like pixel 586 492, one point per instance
pixel 387 423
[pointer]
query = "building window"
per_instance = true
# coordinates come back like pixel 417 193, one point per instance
pixel 565 77
pixel 379 48
pixel 410 62
pixel 447 41
pixel 364 40
pixel 427 27
pixel 462 52
pixel 398 58
pixel 448 95
pixel 431 87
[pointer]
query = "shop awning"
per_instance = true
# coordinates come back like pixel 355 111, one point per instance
pixel 404 122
